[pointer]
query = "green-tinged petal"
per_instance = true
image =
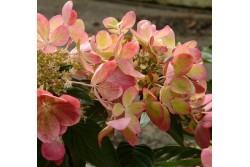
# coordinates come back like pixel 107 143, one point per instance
pixel 180 106
pixel 197 72
pixel 129 96
pixel 118 110
pixel 136 108
pixel 103 40
pixel 104 132
pixel 130 137
pixel 182 63
pixel 181 85
pixel 156 113
pixel 148 95
pixel 166 122
pixel 110 22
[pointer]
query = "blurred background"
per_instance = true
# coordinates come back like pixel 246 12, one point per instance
pixel 190 20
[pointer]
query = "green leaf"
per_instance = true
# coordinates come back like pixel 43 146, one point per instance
pixel 138 156
pixel 96 113
pixel 176 131
pixel 65 68
pixel 209 86
pixel 80 93
pixel 186 162
pixel 81 140
pixel 174 153
pixel 207 54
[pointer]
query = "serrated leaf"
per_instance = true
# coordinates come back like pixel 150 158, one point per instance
pixel 80 93
pixel 96 113
pixel 82 141
pixel 175 130
pixel 185 162
pixel 174 153
pixel 138 156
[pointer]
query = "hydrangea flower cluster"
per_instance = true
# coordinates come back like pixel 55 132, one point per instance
pixel 146 72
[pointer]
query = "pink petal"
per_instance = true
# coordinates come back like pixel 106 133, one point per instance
pixel 66 11
pixel 43 27
pixel 145 31
pixel 129 50
pixel 128 20
pixel 77 34
pixel 134 124
pixel 109 90
pixel 119 124
pixel 92 58
pixel 196 53
pixel 63 129
pixel 197 72
pixel 207 107
pixel 48 127
pixel 108 107
pixel 202 136
pixel 182 63
pixel 102 72
pixel 43 92
pixel 206 157
pixel 119 77
pixel 110 22
pixel 129 96
pixel 128 68
pixel 53 151
pixel 60 36
pixel 55 22
pixel 103 40
pixel 198 88
pixel 67 113
pixel 49 48
pixel 104 132
pixel 206 121
pixel 84 64
pixel 191 44
pixel 59 162
pixel 182 49
pixel 72 18
pixel 130 137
